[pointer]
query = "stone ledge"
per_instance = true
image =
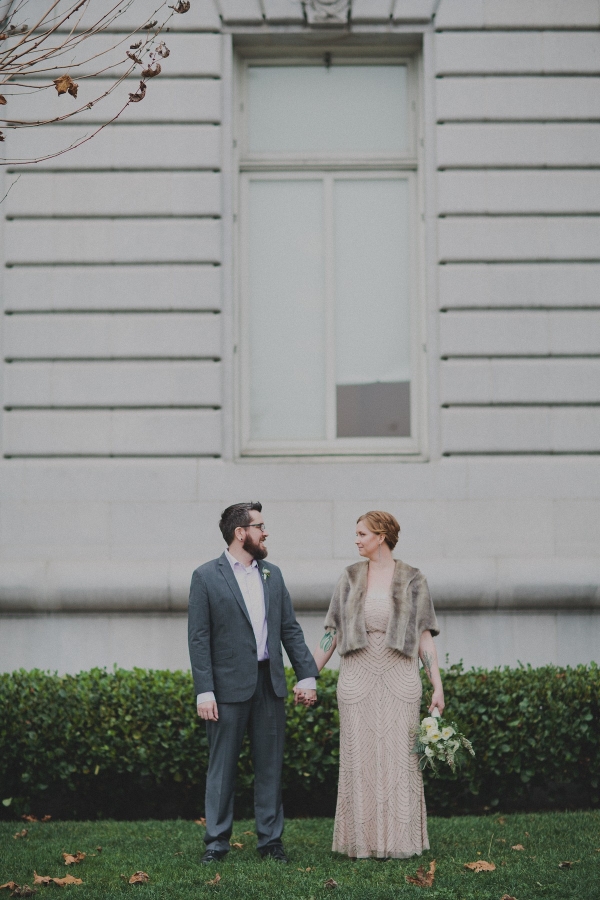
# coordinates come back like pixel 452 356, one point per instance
pixel 148 586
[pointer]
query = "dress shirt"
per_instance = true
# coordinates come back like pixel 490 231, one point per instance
pixel 252 590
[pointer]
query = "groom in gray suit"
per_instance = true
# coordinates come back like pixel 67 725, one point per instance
pixel 240 613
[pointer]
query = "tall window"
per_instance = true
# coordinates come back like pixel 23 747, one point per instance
pixel 329 333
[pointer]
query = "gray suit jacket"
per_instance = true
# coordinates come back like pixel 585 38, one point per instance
pixel 221 639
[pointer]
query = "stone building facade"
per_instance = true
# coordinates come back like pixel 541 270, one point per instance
pixel 343 256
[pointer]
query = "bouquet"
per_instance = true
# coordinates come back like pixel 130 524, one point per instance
pixel 437 741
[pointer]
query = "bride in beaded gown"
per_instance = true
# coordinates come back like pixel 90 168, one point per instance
pixel 381 805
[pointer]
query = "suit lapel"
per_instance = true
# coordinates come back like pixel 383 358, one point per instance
pixel 231 580
pixel 265 584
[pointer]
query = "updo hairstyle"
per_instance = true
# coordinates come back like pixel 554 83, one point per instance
pixel 382 523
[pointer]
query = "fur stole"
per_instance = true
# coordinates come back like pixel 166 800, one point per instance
pixel 412 611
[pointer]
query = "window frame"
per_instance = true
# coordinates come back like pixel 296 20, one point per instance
pixel 330 167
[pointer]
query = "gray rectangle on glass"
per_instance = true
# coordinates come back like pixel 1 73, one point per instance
pixel 373 410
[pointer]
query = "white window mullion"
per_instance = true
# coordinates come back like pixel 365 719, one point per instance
pixel 330 398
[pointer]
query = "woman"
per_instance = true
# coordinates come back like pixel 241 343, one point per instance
pixel 381 620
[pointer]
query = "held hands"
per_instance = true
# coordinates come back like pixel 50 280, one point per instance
pixel 304 696
pixel 208 711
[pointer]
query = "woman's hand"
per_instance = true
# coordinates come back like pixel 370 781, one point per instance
pixel 437 700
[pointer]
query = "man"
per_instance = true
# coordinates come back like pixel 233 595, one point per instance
pixel 240 613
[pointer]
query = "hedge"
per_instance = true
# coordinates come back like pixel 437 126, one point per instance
pixel 128 744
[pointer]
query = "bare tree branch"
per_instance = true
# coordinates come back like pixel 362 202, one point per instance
pixel 52 45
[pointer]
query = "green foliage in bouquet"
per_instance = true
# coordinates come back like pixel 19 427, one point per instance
pixel 439 741
pixel 128 744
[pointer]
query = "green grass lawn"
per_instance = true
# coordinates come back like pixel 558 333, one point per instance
pixel 169 852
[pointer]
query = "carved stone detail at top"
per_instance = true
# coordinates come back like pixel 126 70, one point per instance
pixel 330 10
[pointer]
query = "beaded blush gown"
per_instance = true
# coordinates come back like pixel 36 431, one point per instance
pixel 380 805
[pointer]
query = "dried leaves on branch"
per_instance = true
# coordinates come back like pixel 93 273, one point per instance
pixel 35 48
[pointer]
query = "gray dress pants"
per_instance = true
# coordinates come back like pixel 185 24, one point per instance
pixel 264 717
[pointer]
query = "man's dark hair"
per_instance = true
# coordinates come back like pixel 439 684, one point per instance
pixel 236 516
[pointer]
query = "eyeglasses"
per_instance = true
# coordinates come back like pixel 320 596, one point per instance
pixel 260 525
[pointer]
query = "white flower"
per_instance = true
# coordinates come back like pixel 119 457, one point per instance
pixel 265 573
pixel 434 737
pixel 447 732
pixel 429 722
pixel 428 752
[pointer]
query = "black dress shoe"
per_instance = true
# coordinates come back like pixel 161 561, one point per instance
pixel 274 851
pixel 212 856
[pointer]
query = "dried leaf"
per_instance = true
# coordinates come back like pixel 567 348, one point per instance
pixel 135 46
pixel 480 866
pixel 182 6
pixel 10 885
pixel 3 100
pixel 139 94
pixel 1 136
pixel 162 50
pixel 29 818
pixel 215 880
pixel 308 869
pixel 423 878
pixel 501 820
pixel 71 858
pixel 134 58
pixel 68 879
pixel 45 818
pixel 21 834
pixel 518 847
pixel 200 821
pixel 66 85
pixel 567 864
pixel 99 849
pixel 41 879
pixel 237 845
pixel 24 891
pixel 249 832
pixel 152 70
pixel 507 897
pixel 150 25
pixel 139 878
pixel 330 883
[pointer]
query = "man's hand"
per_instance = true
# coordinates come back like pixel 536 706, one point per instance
pixel 208 711
pixel 305 696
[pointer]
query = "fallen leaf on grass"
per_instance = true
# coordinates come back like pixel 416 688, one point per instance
pixel 200 821
pixel 330 883
pixel 45 818
pixel 501 820
pixel 24 891
pixel 29 818
pixel 10 885
pixel 507 897
pixel 99 849
pixel 423 878
pixel 71 858
pixel 21 834
pixel 249 832
pixel 215 880
pixel 308 869
pixel 518 847
pixel 567 864
pixel 480 866
pixel 237 845
pixel 178 853
pixel 61 882
pixel 139 878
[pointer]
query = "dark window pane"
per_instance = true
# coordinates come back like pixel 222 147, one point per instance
pixel 373 410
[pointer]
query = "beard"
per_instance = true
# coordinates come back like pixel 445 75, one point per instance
pixel 256 549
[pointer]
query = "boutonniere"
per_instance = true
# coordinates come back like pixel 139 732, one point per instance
pixel 265 573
